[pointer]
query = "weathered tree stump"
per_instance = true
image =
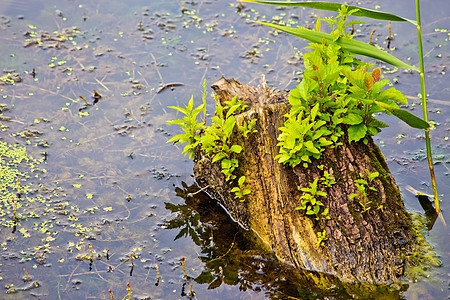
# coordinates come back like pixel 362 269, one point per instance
pixel 366 247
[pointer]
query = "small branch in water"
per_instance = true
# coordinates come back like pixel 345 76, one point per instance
pixel 389 38
pixel 85 101
pixel 169 85
pixel 371 34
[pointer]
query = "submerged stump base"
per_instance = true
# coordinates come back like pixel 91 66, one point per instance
pixel 367 247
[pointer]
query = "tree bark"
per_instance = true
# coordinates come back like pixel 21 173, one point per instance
pixel 366 247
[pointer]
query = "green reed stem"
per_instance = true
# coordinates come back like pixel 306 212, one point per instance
pixel 424 106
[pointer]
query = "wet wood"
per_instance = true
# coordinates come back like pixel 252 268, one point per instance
pixel 362 247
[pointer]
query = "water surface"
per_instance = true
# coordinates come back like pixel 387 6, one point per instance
pixel 112 182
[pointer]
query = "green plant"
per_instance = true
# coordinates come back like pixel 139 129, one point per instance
pixel 309 202
pixel 215 140
pixel 359 48
pixel 239 190
pixel 337 89
pixel 363 187
pixel 327 179
pixel 190 126
pixel 313 206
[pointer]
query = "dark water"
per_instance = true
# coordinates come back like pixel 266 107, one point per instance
pixel 111 180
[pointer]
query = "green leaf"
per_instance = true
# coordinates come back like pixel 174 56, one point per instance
pixel 377 86
pixel 347 44
pixel 352 119
pixel 310 147
pixel 218 156
pixel 361 12
pixel 314 111
pixel 241 180
pixel 405 116
pixel 229 125
pixel 361 181
pixel 316 209
pixel 236 149
pixel 392 94
pixel 356 132
pixel 320 193
pixel 180 109
pixel 176 122
pixel 226 164
pixel 246 192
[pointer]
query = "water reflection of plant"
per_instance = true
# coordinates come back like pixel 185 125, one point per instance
pixel 188 221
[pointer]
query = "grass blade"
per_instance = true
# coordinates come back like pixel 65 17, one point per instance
pixel 405 116
pixel 353 46
pixel 330 6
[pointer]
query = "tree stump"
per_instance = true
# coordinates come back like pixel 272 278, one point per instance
pixel 367 247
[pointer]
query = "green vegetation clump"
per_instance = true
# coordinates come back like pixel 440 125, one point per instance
pixel 311 204
pixel 363 187
pixel 12 179
pixel 214 140
pixel 338 92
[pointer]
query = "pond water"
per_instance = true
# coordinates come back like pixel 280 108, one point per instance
pixel 106 202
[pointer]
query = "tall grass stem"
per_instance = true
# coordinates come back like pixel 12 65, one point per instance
pixel 424 106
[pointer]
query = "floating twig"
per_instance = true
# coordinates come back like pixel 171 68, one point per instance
pixel 191 292
pixel 132 264
pixel 129 291
pixel 97 97
pixel 389 38
pixel 90 252
pixel 159 277
pixel 27 277
pixel 183 9
pixel 370 39
pixel 184 268
pixel 85 101
pixel 169 85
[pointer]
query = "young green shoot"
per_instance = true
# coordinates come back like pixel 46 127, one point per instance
pixel 363 187
pixel 240 191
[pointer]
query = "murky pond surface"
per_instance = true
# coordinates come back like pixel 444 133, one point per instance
pixel 106 202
